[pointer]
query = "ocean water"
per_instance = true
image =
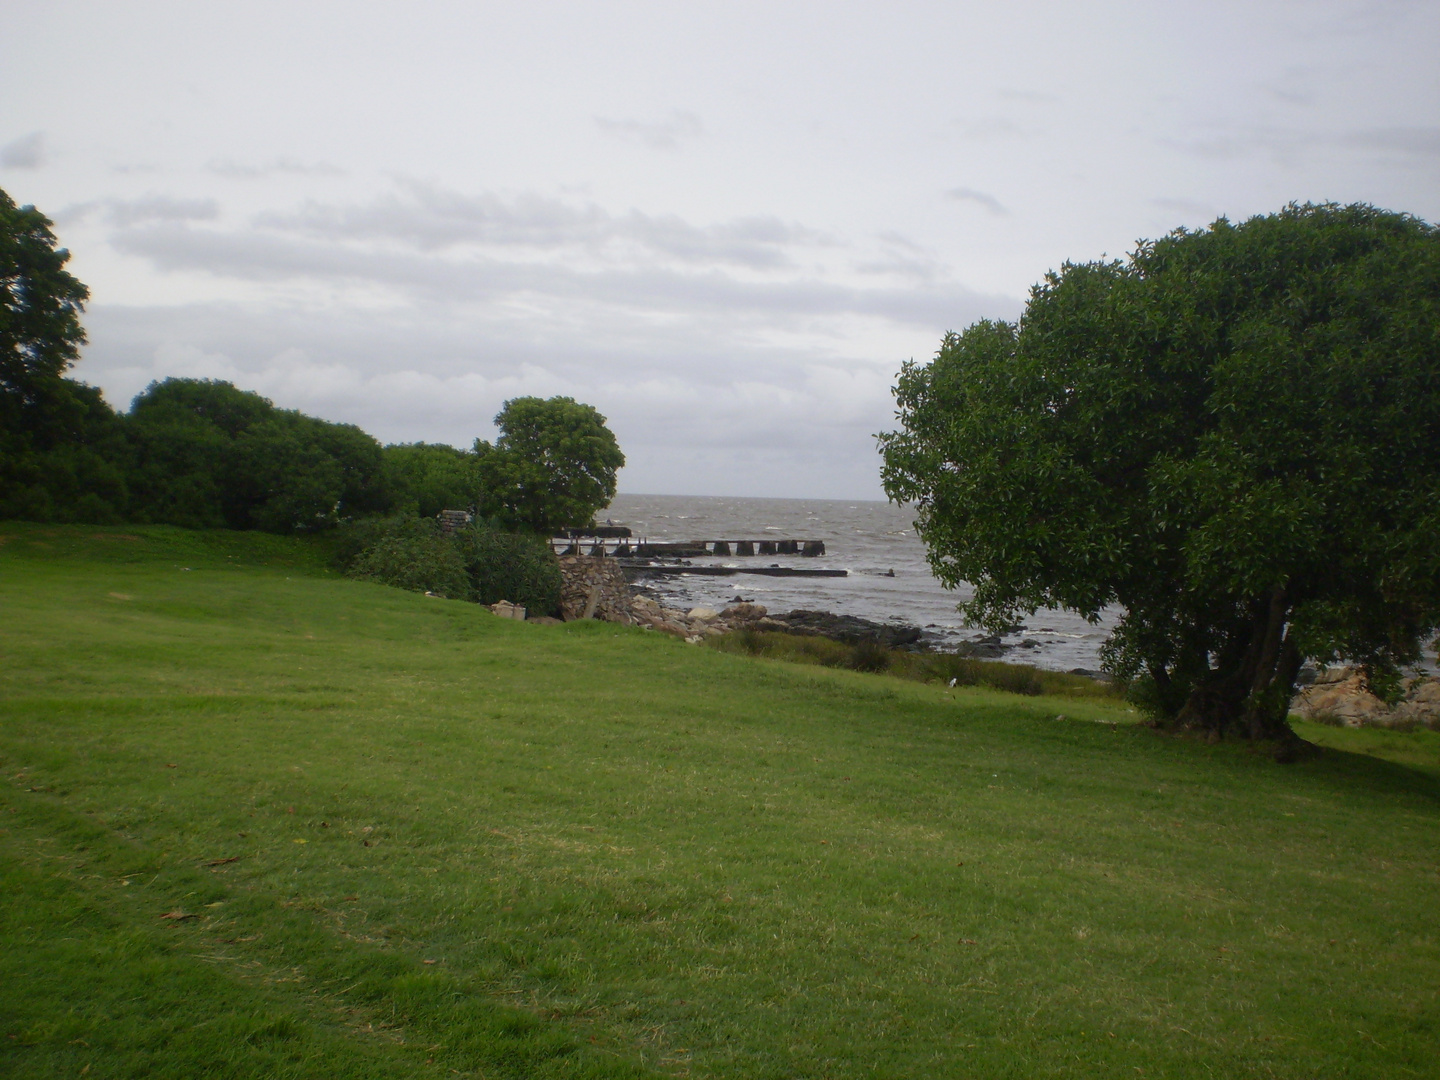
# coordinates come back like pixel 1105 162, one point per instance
pixel 869 539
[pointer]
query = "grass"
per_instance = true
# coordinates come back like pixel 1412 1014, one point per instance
pixel 261 821
pixel 920 666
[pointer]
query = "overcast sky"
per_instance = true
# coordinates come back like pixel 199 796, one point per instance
pixel 725 224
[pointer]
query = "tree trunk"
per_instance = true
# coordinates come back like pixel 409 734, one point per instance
pixel 1248 693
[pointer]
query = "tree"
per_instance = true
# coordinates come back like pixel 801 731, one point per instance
pixel 40 304
pixel 1234 435
pixel 553 465
pixel 425 478
pixel 208 456
pixel 62 451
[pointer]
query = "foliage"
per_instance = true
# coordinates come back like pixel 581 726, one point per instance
pixel 209 455
pixel 612 846
pixel 40 305
pixel 482 563
pixel 411 553
pixel 61 455
pixel 426 478
pixel 1234 435
pixel 518 567
pixel 553 465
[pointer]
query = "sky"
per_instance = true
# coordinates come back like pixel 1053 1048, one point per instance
pixel 725 225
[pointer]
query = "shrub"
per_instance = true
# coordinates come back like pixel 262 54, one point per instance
pixel 518 567
pixel 416 562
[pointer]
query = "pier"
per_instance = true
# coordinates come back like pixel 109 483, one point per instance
pixel 625 547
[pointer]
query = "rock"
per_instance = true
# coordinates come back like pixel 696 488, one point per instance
pixel 544 620
pixel 850 628
pixel 743 612
pixel 1340 695
pixel 702 614
pixel 507 610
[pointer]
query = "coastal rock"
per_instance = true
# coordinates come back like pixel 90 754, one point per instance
pixel 850 629
pixel 1342 696
pixel 702 614
pixel 743 612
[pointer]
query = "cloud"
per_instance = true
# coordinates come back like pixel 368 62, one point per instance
pixel 902 257
pixel 542 285
pixel 127 212
pixel 428 218
pixel 1029 97
pixel 1288 145
pixel 26 152
pixel 1408 141
pixel 416 314
pixel 235 170
pixel 658 135
pixel 1187 207
pixel 981 198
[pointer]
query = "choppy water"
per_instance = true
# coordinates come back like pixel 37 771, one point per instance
pixel 866 538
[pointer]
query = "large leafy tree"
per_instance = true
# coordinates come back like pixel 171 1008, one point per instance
pixel 62 450
pixel 40 304
pixel 1233 435
pixel 554 464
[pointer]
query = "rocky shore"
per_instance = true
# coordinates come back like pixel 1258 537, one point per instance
pixel 596 588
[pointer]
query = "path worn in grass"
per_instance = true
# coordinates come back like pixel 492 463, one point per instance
pixel 399 836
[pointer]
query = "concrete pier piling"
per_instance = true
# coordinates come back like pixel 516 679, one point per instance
pixel 597 546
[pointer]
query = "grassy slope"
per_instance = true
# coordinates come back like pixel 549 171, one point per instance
pixel 474 845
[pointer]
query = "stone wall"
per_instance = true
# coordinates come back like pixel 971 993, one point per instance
pixel 594 588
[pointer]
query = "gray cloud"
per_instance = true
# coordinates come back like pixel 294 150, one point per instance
pixel 1029 97
pixel 1187 207
pixel 658 135
pixel 980 198
pixel 429 218
pixel 26 152
pixel 236 170
pixel 267 258
pixel 1288 145
pixel 1408 141
pixel 127 212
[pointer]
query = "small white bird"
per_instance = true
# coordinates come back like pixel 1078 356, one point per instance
pixel 953 682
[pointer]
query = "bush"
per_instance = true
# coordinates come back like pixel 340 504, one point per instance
pixel 518 567
pixel 413 554
pixel 481 563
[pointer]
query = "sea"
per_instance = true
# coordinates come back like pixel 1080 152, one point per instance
pixel 889 580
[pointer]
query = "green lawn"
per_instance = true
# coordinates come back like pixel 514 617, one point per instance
pixel 260 821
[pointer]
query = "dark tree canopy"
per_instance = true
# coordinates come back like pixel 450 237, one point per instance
pixel 553 465
pixel 426 478
pixel 1234 435
pixel 209 455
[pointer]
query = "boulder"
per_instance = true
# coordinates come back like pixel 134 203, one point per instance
pixel 1341 695
pixel 743 613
